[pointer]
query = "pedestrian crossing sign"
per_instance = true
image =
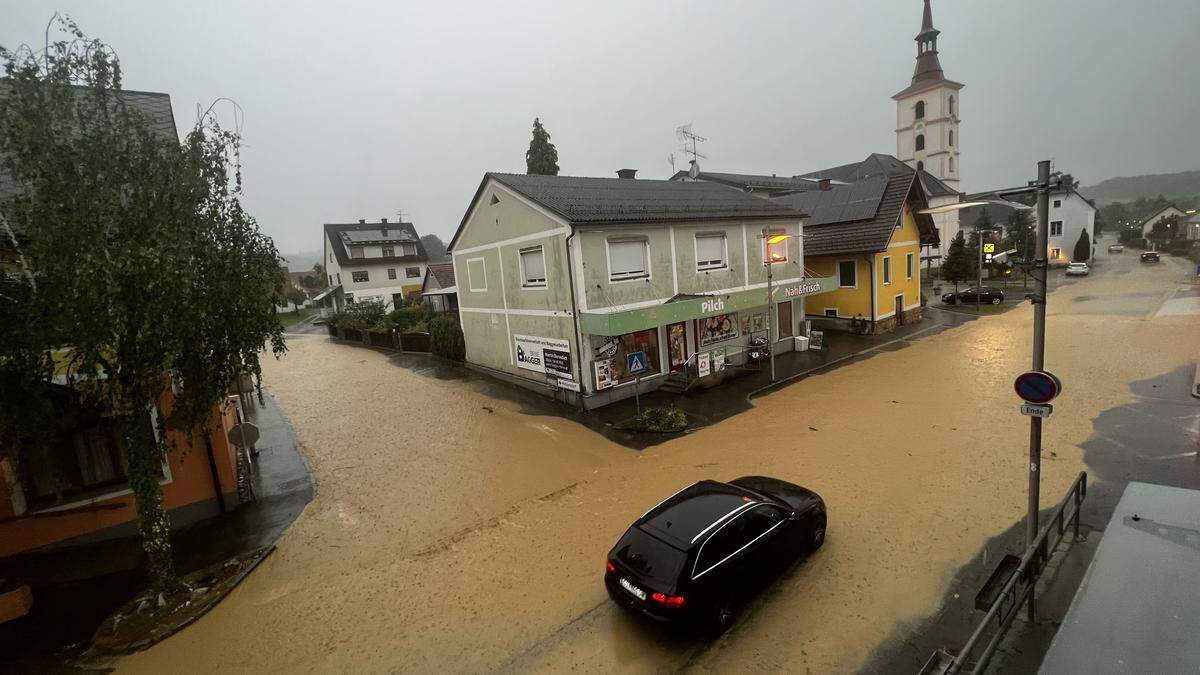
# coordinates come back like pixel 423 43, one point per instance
pixel 635 362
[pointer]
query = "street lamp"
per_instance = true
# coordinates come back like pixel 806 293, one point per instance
pixel 769 260
pixel 1041 187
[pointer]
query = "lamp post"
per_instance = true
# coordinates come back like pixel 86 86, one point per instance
pixel 1041 187
pixel 769 260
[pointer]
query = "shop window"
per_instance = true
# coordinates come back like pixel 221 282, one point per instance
pixel 711 251
pixel 533 267
pixel 412 272
pixel 391 273
pixel 360 277
pixel 356 252
pixel 628 259
pixel 847 274
pixel 1056 228
pixel 718 328
pixel 614 368
pixel 389 252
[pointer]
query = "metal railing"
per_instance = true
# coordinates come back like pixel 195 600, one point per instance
pixel 1019 587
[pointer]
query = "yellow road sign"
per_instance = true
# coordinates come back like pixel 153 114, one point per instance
pixel 989 248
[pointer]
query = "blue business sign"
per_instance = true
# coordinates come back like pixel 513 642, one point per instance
pixel 635 362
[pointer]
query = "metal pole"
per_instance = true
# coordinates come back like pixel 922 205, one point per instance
pixel 979 269
pixel 1039 357
pixel 770 305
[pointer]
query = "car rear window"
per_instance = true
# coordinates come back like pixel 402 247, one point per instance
pixel 650 557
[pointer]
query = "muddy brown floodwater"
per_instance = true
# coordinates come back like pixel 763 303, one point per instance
pixel 448 537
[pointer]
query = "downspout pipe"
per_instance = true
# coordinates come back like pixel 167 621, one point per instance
pixel 575 315
pixel 874 310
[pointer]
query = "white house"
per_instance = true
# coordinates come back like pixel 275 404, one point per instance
pixel 1167 211
pixel 374 262
pixel 1070 214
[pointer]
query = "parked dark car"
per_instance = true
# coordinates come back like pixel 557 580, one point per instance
pixel 1150 257
pixel 989 296
pixel 693 559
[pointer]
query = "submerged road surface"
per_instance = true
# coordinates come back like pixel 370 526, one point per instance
pixel 454 531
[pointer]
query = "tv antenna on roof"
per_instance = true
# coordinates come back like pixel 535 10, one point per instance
pixel 685 134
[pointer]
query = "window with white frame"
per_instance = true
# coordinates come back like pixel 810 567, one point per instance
pixel 477 274
pixel 389 252
pixel 356 252
pixel 711 251
pixel 408 249
pixel 831 312
pixel 533 267
pixel 847 274
pixel 887 270
pixel 628 259
pixel 412 272
pixel 391 273
pixel 360 277
pixel 908 266
pixel 1056 228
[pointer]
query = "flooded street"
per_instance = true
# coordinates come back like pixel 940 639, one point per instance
pixel 453 531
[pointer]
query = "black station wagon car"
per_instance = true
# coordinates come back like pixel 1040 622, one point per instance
pixel 692 559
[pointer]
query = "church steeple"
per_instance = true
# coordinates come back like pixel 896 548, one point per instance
pixel 928 69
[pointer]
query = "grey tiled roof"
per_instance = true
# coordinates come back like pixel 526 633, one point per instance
pixel 156 107
pixel 340 236
pixel 443 273
pixel 879 164
pixel 860 217
pixel 753 181
pixel 612 200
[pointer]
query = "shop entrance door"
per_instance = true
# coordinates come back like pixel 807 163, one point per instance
pixel 783 314
pixel 677 352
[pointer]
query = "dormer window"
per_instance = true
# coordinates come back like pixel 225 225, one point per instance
pixel 389 252
pixel 356 252
pixel 409 249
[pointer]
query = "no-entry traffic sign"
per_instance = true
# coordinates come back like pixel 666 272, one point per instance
pixel 1037 386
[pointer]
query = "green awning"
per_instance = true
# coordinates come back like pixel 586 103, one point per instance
pixel 697 307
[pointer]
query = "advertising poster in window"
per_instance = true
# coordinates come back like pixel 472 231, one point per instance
pixel 703 364
pixel 604 374
pixel 531 354
pixel 718 328
pixel 758 323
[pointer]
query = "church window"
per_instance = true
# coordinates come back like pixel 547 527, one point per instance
pixel 920 109
pixel 951 138
pixel 951 165
pixel 952 105
pixel 920 166
pixel 920 142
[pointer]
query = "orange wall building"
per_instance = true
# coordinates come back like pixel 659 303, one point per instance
pixel 92 501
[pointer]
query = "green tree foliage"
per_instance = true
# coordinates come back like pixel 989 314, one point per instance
pixel 972 250
pixel 542 156
pixel 1083 248
pixel 135 269
pixel 1164 230
pixel 435 248
pixel 957 265
pixel 446 338
pixel 1018 230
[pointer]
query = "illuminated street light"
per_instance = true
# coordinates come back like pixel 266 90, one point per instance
pixel 770 259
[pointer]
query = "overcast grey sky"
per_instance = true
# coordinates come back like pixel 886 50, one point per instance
pixel 358 109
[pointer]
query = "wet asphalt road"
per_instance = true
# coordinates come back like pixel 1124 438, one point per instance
pixel 1153 438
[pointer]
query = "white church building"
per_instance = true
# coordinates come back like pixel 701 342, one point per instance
pixel 927 121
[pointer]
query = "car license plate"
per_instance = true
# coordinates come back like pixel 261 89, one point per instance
pixel 637 592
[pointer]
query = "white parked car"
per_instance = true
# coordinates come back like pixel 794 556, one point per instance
pixel 1077 269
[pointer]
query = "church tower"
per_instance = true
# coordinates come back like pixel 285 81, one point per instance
pixel 927 112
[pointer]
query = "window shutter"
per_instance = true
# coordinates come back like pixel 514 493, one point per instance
pixel 533 262
pixel 627 259
pixel 710 250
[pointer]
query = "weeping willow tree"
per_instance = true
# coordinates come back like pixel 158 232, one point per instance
pixel 128 269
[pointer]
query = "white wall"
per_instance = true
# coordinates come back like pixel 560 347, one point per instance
pixel 1076 216
pixel 378 283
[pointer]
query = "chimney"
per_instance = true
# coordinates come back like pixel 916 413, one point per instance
pixel 693 169
pixel 383 220
pixel 627 174
pixel 823 184
pixel 362 221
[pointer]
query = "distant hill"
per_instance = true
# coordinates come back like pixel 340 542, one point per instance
pixel 301 260
pixel 1181 185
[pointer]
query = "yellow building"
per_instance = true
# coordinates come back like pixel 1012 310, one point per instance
pixel 868 234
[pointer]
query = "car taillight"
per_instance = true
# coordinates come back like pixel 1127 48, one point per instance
pixel 669 600
pixel 612 569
